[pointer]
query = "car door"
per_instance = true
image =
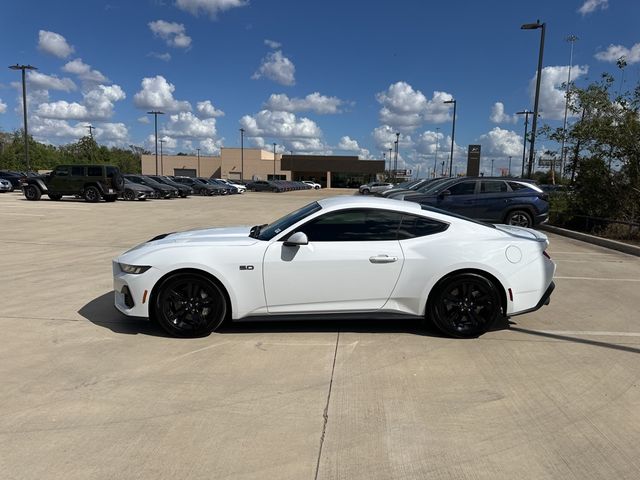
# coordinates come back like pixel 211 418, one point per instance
pixel 491 200
pixel 461 198
pixel 352 263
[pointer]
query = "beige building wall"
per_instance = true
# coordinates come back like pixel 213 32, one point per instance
pixel 258 164
pixel 208 165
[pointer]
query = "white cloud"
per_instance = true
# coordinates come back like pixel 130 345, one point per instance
pixel 427 142
pixel 498 115
pixel 315 102
pixel 614 52
pixel 384 137
pixel 501 143
pixel 112 132
pixel 165 57
pixel 50 82
pixel 84 71
pixel 144 119
pixel 3 106
pixel 279 125
pixel 54 44
pixel 47 128
pixel 405 108
pixel 157 93
pixel 187 125
pixel 351 145
pixel 272 44
pixel 210 146
pixel 174 34
pixel 210 7
pixel 98 104
pixel 590 6
pixel 552 92
pixel 278 68
pixel 207 110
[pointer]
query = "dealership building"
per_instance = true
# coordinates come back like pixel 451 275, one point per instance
pixel 335 171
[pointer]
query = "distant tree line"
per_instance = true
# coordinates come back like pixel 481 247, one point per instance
pixel 45 156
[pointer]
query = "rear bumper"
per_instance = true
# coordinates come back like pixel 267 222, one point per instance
pixel 545 300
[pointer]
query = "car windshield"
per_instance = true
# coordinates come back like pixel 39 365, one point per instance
pixel 435 185
pixel 267 232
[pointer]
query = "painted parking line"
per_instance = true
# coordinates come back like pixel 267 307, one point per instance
pixel 591 333
pixel 599 279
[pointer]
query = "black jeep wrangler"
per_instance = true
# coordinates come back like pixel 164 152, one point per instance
pixel 90 182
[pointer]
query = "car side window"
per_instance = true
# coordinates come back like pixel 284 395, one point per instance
pixel 493 186
pixel 463 188
pixel 413 226
pixel 356 225
pixel 62 171
pixel 94 171
pixel 515 186
pixel 77 171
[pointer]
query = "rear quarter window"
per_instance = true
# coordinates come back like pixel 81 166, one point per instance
pixel 413 226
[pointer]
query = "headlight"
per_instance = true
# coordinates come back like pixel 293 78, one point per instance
pixel 133 269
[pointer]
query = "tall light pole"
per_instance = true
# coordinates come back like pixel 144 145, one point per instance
pixel 453 135
pixel 491 167
pixel 526 114
pixel 395 160
pixel 384 159
pixel 24 108
pixel 198 150
pixel 390 165
pixel 91 129
pixel 155 114
pixel 435 158
pixel 542 27
pixel 509 165
pixel 274 160
pixel 242 154
pixel 161 142
pixel 571 39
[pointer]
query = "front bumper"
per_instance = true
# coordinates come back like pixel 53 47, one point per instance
pixel 129 290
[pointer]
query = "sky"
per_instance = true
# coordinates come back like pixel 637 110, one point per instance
pixel 314 77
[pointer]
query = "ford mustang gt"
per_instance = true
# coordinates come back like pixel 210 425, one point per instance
pixel 338 257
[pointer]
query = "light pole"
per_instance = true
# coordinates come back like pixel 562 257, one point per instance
pixel 161 142
pixel 274 160
pixel 435 159
pixel 198 150
pixel 390 165
pixel 492 167
pixel 526 114
pixel 155 114
pixel 24 108
pixel 535 26
pixel 242 154
pixel 509 165
pixel 395 160
pixel 384 159
pixel 571 39
pixel 91 129
pixel 453 135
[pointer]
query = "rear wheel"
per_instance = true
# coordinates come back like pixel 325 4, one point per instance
pixel 519 218
pixel 31 192
pixel 365 191
pixel 189 305
pixel 91 194
pixel 129 195
pixel 465 305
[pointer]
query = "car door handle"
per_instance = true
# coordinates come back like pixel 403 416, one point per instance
pixel 383 259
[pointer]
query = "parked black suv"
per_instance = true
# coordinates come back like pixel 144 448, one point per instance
pixel 91 182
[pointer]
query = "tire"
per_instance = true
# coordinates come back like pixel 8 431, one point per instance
pixel 465 305
pixel 110 198
pixel 183 195
pixel 55 196
pixel 366 191
pixel 519 218
pixel 189 305
pixel 31 192
pixel 129 195
pixel 91 194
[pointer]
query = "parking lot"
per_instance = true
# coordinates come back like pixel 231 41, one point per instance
pixel 87 393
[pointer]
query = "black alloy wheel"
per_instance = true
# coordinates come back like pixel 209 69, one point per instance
pixel 365 191
pixel 31 192
pixel 129 195
pixel 465 305
pixel 189 305
pixel 91 194
pixel 519 218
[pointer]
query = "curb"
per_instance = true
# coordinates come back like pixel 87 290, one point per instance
pixel 602 242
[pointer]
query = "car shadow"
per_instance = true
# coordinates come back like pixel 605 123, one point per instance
pixel 101 311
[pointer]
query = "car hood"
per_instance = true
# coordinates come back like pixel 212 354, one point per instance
pixel 219 236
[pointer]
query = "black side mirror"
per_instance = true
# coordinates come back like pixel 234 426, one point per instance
pixel 443 194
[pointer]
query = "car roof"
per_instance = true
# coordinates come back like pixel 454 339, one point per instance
pixel 368 202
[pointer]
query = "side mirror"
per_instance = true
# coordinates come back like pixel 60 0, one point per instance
pixel 297 239
pixel 444 193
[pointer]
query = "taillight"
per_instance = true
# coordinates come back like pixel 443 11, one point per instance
pixel 546 255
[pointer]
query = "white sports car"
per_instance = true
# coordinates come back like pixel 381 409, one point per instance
pixel 339 256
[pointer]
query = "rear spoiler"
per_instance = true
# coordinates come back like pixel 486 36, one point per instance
pixel 522 232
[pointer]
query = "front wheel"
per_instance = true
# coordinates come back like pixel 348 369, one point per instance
pixel 31 192
pixel 365 191
pixel 189 305
pixel 465 305
pixel 129 195
pixel 519 218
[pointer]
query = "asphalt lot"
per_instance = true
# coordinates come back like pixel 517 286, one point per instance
pixel 87 393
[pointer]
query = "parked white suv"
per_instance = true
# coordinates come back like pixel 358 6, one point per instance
pixel 241 188
pixel 315 185
pixel 375 187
